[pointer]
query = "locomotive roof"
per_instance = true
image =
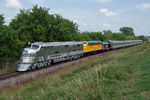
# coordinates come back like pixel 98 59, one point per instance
pixel 94 41
pixel 56 43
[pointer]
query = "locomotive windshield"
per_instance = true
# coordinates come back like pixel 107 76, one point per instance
pixel 84 42
pixel 34 47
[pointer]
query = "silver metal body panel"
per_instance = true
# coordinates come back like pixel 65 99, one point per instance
pixel 48 52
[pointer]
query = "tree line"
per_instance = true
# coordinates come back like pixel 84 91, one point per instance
pixel 37 24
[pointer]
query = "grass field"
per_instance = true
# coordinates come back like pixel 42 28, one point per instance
pixel 124 75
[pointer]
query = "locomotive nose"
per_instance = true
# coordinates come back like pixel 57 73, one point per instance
pixel 23 67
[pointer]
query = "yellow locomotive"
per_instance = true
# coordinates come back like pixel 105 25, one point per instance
pixel 92 46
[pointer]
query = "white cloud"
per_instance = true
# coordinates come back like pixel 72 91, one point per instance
pixel 107 12
pixel 103 1
pixel 56 11
pixel 79 22
pixel 8 19
pixel 141 27
pixel 38 2
pixel 100 1
pixel 13 4
pixel 143 6
pixel 108 26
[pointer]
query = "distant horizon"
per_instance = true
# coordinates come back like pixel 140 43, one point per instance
pixel 90 15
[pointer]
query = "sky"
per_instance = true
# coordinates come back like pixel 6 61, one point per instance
pixel 90 15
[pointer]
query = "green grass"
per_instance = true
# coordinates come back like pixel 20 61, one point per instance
pixel 124 75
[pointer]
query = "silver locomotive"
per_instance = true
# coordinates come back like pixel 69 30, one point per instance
pixel 43 54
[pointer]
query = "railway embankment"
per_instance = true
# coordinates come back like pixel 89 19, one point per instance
pixel 121 75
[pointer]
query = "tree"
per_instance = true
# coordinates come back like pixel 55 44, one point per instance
pixel 32 25
pixel 61 28
pixel 128 31
pixel 1 26
pixel 118 36
pixel 10 45
pixel 107 32
pixel 141 37
pixel 2 21
pixel 38 25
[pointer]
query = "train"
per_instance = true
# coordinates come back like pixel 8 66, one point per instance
pixel 40 54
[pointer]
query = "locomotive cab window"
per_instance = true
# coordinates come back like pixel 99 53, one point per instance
pixel 84 42
pixel 35 47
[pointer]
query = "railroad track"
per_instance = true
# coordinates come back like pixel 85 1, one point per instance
pixel 4 76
